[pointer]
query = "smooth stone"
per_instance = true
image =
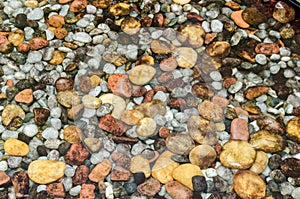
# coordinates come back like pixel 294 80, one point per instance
pixel 10 112
pixel 45 171
pixel 290 167
pixel 178 191
pixel 199 183
pixel 140 164
pixel 249 184
pixel 260 163
pixel 210 111
pixel 186 57
pixel 180 143
pixel 72 134
pixel 283 12
pixel 35 14
pixel 239 129
pixel 237 154
pixel 93 144
pixel 185 172
pixel 16 147
pixel 293 129
pixel 203 156
pixel 82 37
pixel 68 98
pixel 141 74
pixel 91 102
pixel 218 49
pixel 146 127
pixel 131 117
pixel 163 168
pixel 150 187
pixel 100 171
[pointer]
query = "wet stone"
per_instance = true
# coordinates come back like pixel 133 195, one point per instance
pixel 290 167
pixel 203 156
pixel 267 141
pixel 253 16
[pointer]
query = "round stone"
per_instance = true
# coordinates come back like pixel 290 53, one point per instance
pixel 72 134
pixel 181 2
pixel 15 147
pixel 141 74
pixel 186 57
pixel 203 156
pixel 140 164
pixel 146 127
pixel 91 102
pixel 283 12
pixel 11 112
pixel 46 171
pixel 293 129
pixel 68 98
pixel 267 142
pixel 248 184
pixel 30 130
pixel 180 143
pixel 21 21
pixel 260 163
pixel 237 154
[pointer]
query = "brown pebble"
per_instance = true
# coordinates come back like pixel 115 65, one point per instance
pixel 174 83
pixel 100 171
pixel 77 154
pixel 283 12
pixel 56 21
pixel 229 81
pixel 270 124
pixel 201 90
pixel 81 175
pixel 125 140
pixel 38 43
pixel 20 182
pixel 112 125
pixel 168 64
pixel 41 115
pixel 75 112
pixel 292 129
pixel 138 91
pixel 120 174
pixel 195 16
pixel 218 49
pixel 165 77
pixel 60 33
pixel 120 85
pixel 220 100
pixel 203 156
pixel 239 129
pixel 163 132
pixel 72 134
pixel 85 84
pixel 149 96
pixel 121 160
pixel 6 47
pixel 158 20
pixel 78 5
pixel 210 111
pixel 291 167
pixel 177 103
pixel 267 48
pixel 87 191
pixel 150 187
pixel 56 190
pixel 25 96
pixel 23 48
pixel 4 178
pixel 63 84
pixel 256 91
pixel 178 191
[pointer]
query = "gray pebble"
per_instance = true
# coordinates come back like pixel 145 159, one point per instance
pixel 14 162
pixel 53 155
pixel 286 188
pixel 261 59
pixel 82 37
pixel 75 190
pixel 49 133
pixel 284 51
pixel 3 165
pixel 35 14
pixel 69 171
pixel 216 26
pixel 67 181
pixel 30 130
pixel 34 57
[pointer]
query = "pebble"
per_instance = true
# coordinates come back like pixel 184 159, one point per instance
pixel 283 12
pixel 292 129
pixel 56 190
pixel 216 26
pixel 82 37
pixel 261 59
pixel 5 179
pixel 76 154
pixel 260 163
pixel 74 191
pixel 35 14
pixel 267 141
pixel 118 103
pixel 185 57
pixel 239 129
pixel 256 91
pixel 185 172
pixel 25 96
pixel 140 164
pixel 93 144
pixel 203 156
pixel 45 171
pixel 210 111
pixel 10 112
pixel 163 168
pixel 249 184
pixel 30 130
pixel 100 171
pixel 72 134
pixel 180 143
pixel 237 154
pixel 112 125
pixel 16 147
pixel 290 167
pixel 141 74
pixel 81 175
pixel 178 191
pixel 149 187
pixel 120 85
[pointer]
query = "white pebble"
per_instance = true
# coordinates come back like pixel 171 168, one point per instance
pixel 30 130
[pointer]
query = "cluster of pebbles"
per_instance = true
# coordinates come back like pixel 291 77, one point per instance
pixel 149 99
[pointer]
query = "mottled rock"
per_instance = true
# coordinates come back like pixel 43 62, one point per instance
pixel 16 37
pixel 56 190
pixel 72 134
pixel 25 96
pixel 118 103
pixel 131 117
pixel 4 178
pixel 78 5
pixel 11 112
pixel 260 163
pixel 293 129
pixel 248 184
pixel 120 85
pixel 20 182
pixel 46 171
pixel 290 167
pixel 267 48
pixel 153 108
pixel 210 111
pixel 186 57
pixel 87 191
pixel 77 154
pixel 203 156
pixel 255 91
pixel 63 84
pixel 237 154
pixel 180 143
pixel 270 124
pixel 146 127
pixel 38 43
pixel 150 187
pixel 56 21
pixel 81 175
pixel 120 174
pixel 194 33
pixel 68 98
pixel 112 125
pixel 253 16
pixel 267 141
pixel 283 12
pixel 218 49
pixel 41 115
pixel 120 9
pixel 168 64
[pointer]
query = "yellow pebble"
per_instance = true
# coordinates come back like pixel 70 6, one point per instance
pixel 95 80
pixel 15 147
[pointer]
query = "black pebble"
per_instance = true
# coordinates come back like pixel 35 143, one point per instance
pixel 63 148
pixel 130 187
pixel 21 21
pixel 24 138
pixel 139 177
pixel 42 151
pixel 199 184
pixel 196 195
